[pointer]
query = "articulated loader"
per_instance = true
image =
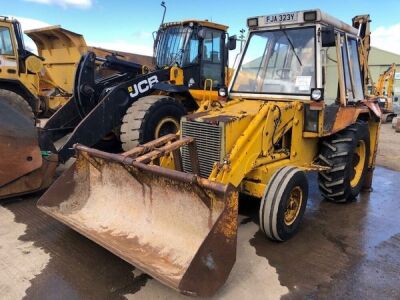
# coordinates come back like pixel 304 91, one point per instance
pixel 296 104
pixel 114 97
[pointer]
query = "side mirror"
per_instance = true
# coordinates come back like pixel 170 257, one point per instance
pixel 396 99
pixel 328 37
pixel 232 42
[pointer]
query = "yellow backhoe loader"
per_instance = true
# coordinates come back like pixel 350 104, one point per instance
pixel 38 85
pixel 383 90
pixel 296 104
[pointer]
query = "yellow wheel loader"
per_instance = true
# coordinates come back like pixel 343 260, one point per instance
pixel 118 98
pixel 296 105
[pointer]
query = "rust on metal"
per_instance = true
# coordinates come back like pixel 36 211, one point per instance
pixel 161 151
pixel 20 153
pixel 36 180
pixel 373 106
pixel 194 158
pixel 179 228
pixel 220 118
pixel 346 116
pixel 141 149
pixel 367 186
pixel 205 116
pixel 177 156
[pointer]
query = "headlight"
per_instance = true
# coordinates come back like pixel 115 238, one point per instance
pixel 310 16
pixel 253 22
pixel 222 92
pixel 317 94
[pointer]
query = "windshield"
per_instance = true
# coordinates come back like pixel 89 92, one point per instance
pixel 278 62
pixel 170 45
pixel 6 47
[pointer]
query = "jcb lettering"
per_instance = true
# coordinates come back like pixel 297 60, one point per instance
pixel 142 86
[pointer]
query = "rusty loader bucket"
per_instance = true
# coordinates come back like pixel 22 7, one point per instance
pixel 22 167
pixel 179 228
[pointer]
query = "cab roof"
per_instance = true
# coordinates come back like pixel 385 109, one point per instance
pixel 297 18
pixel 204 23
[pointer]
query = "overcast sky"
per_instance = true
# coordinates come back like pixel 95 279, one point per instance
pixel 127 25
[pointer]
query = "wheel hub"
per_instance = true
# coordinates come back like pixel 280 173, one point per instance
pixel 293 205
pixel 166 126
pixel 358 163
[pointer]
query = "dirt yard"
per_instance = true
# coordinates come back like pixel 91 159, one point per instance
pixel 389 148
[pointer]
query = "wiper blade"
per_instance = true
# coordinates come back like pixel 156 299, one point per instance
pixel 291 45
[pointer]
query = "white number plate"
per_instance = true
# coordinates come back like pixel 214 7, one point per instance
pixel 281 18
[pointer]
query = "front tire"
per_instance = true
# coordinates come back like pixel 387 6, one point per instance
pixel 283 204
pixel 149 118
pixel 347 153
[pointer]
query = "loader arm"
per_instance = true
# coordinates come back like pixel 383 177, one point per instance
pixel 99 104
pixel 108 113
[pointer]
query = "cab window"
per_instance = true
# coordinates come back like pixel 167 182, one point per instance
pixel 212 57
pixel 352 72
pixel 355 67
pixel 6 47
pixel 192 56
pixel 330 75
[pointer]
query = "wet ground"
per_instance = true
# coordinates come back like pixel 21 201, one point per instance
pixel 389 149
pixel 347 251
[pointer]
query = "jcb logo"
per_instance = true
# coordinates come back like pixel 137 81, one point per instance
pixel 142 86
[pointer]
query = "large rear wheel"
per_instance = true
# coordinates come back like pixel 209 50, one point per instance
pixel 347 153
pixel 149 118
pixel 18 103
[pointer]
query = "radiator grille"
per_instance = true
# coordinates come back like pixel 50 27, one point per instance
pixel 209 141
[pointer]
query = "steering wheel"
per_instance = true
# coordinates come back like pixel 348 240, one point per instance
pixel 283 73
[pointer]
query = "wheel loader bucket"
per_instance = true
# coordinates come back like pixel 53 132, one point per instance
pixel 179 228
pixel 18 145
pixel 22 168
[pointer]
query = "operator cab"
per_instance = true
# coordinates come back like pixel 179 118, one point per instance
pixel 13 54
pixel 8 57
pixel 198 47
pixel 305 55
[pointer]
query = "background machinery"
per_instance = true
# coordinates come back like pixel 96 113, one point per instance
pixel 37 85
pixel 383 90
pixel 296 104
pixel 116 99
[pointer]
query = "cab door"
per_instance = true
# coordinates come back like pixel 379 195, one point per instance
pixel 212 58
pixel 191 63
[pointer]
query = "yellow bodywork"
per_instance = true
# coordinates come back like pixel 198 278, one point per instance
pixel 252 130
pixel 261 137
pixel 384 88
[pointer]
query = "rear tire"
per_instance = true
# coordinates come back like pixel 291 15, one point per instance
pixel 283 204
pixel 18 103
pixel 149 118
pixel 347 153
